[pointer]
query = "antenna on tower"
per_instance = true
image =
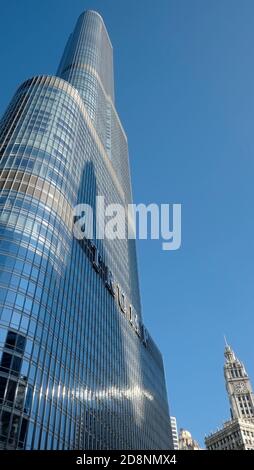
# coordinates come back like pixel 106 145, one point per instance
pixel 226 343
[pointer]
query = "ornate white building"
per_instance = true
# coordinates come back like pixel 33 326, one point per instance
pixel 186 441
pixel 238 433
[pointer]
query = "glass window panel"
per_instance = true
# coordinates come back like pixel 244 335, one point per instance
pixel 15 319
pixel 28 402
pixel 11 389
pixel 23 430
pixel 21 343
pixel 16 364
pixel 20 397
pixel 5 423
pixel 11 339
pixel 6 361
pixel 2 335
pixel 3 382
pixel 15 426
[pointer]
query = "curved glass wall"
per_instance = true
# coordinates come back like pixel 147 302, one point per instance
pixel 75 372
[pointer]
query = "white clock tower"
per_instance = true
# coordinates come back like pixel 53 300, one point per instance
pixel 238 432
pixel 238 386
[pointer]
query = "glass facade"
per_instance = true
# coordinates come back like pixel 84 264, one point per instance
pixel 78 369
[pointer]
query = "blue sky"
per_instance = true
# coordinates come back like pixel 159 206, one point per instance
pixel 184 75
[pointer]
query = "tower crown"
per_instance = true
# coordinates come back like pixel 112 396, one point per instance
pixel 232 360
pixel 229 354
pixel 238 386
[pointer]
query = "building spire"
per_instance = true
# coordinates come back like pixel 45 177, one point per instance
pixel 225 340
pixel 228 352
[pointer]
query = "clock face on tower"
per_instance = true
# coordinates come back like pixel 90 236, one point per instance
pixel 240 387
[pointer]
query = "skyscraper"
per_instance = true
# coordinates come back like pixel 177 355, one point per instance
pixel 237 433
pixel 78 369
pixel 174 432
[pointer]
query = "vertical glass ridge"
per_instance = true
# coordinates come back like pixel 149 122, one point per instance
pixel 78 370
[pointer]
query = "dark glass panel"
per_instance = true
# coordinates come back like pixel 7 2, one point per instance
pixel 10 393
pixel 23 430
pixel 16 364
pixel 6 361
pixel 3 381
pixel 5 423
pixel 11 339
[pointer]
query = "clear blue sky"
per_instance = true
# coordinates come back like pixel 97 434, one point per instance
pixel 184 74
